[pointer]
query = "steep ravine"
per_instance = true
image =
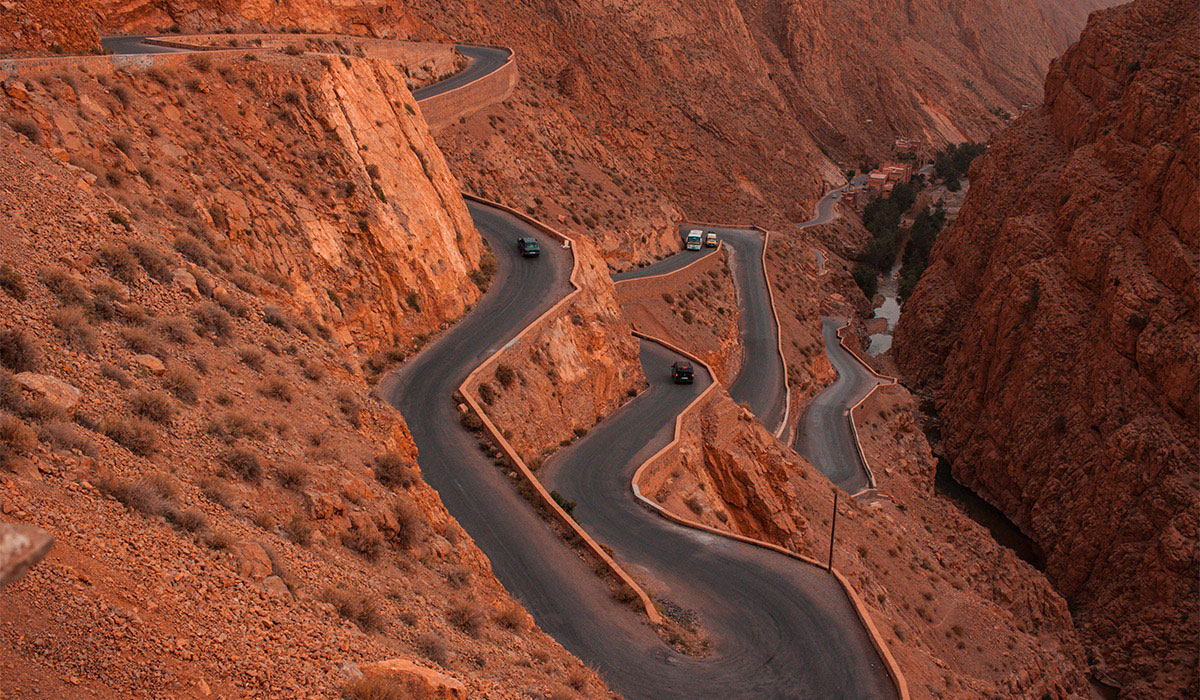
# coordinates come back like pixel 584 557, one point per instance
pixel 1056 332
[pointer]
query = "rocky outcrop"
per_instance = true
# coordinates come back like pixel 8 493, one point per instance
pixel 41 27
pixel 366 17
pixel 334 185
pixel 569 370
pixel 1056 331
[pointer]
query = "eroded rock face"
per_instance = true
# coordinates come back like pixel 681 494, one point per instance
pixel 1057 332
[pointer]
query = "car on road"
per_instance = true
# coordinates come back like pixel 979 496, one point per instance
pixel 710 240
pixel 682 372
pixel 529 247
pixel 695 239
pixel 835 195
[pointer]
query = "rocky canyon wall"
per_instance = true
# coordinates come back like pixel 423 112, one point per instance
pixel 378 246
pixel 1056 330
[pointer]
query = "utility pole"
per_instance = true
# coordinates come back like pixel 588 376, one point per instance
pixel 833 529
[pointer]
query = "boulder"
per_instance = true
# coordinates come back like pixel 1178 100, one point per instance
pixel 186 281
pixel 322 505
pixel 415 681
pixel 21 546
pixel 276 587
pixel 150 363
pixel 60 394
pixel 252 560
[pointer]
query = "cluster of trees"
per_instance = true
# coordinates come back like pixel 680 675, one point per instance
pixel 925 229
pixel 881 217
pixel 952 162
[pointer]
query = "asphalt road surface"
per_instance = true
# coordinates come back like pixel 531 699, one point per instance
pixel 824 435
pixel 779 628
pixel 484 60
pixel 760 383
pixel 132 45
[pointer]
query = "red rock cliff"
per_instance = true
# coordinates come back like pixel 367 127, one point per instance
pixel 1057 332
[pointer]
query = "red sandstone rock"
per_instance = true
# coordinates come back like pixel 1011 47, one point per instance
pixel 1056 329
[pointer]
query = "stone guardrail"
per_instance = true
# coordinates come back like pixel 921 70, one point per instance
pixel 467 389
pixel 893 669
pixel 439 110
pixel 885 380
pixel 787 384
pixel 443 109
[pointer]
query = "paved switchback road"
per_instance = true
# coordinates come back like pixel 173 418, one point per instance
pixel 484 60
pixel 779 628
pixel 760 382
pixel 824 435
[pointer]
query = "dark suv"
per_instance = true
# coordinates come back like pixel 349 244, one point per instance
pixel 682 373
pixel 529 247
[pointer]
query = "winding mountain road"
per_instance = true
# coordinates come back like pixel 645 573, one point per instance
pixel 824 435
pixel 760 382
pixel 778 628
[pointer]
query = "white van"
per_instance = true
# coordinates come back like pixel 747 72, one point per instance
pixel 695 239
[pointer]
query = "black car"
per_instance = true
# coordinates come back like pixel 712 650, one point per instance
pixel 529 247
pixel 682 373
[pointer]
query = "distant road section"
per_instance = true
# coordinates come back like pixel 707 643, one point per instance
pixel 484 60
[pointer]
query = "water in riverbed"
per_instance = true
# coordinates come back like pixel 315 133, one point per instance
pixel 890 310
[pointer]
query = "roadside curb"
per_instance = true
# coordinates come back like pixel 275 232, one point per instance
pixel 661 275
pixel 885 380
pixel 787 385
pixel 507 448
pixel 893 669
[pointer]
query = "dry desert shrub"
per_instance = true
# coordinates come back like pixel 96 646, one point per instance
pixel 245 462
pixel 179 381
pixel 468 617
pixel 27 128
pixel 153 261
pixel 114 373
pixel 392 470
pixel 137 435
pixel 276 388
pixel 177 329
pixel 360 608
pixel 63 285
pixel 74 326
pixel 12 282
pixel 16 439
pixel 194 249
pixel 505 375
pixel 251 357
pixel 277 317
pixel 155 405
pixel 122 264
pixel 235 425
pixel 19 350
pixel 367 543
pixel 433 647
pixel 66 436
pixel 313 370
pixel 213 320
pixel 512 617
pixel 409 522
pixel 144 341
pixel 107 297
pixel 216 490
pixel 293 475
pixel 298 530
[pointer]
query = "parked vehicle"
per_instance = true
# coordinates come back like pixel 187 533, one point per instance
pixel 710 240
pixel 529 247
pixel 695 239
pixel 682 372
